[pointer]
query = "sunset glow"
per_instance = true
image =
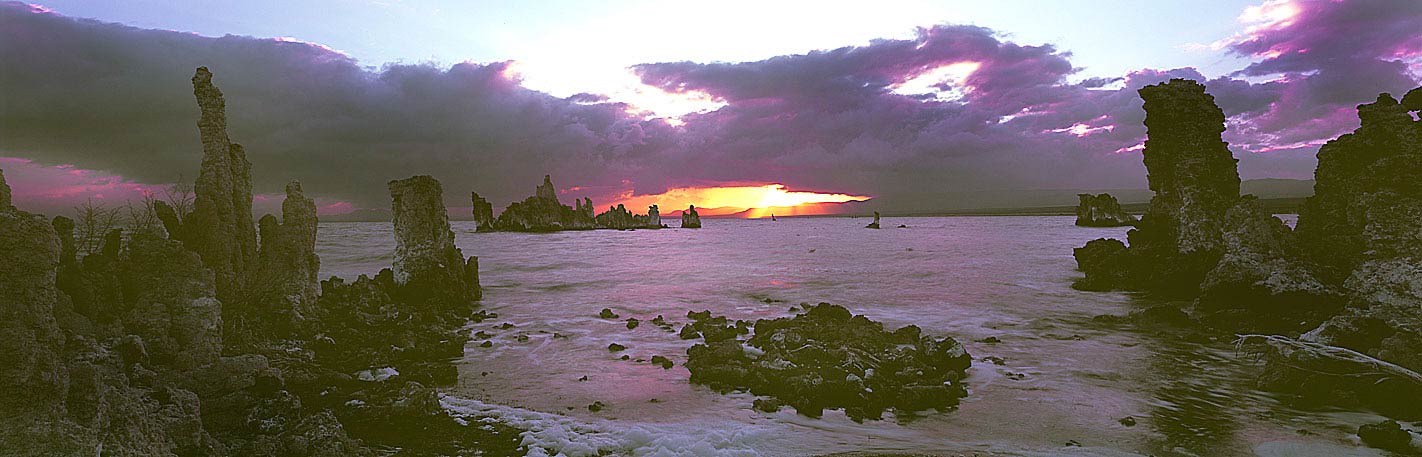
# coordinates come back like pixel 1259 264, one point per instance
pixel 736 199
pixel 944 83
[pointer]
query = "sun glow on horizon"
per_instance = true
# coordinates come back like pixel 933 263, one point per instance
pixel 734 198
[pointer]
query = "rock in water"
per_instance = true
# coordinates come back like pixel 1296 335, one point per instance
pixel 286 280
pixel 425 255
pixel 689 218
pixel 1189 166
pixel 875 224
pixel 828 358
pixel 542 212
pixel 483 211
pixel 1257 272
pixel 220 228
pixel 1195 181
pixel 1101 211
pixel 654 218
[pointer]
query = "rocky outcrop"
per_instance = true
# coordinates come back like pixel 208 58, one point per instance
pixel 1256 271
pixel 875 224
pixel 129 350
pixel 1189 167
pixel 220 228
pixel 1178 241
pixel 285 280
pixel 35 381
pixel 425 255
pixel 689 218
pixel 827 358
pixel 1101 211
pixel 5 201
pixel 542 212
pixel 483 211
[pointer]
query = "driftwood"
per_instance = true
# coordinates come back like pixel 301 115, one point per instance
pixel 1322 359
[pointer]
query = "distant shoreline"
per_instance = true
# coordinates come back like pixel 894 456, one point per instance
pixel 1275 205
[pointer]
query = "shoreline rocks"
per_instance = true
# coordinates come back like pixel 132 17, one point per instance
pixel 1101 211
pixel 204 343
pixel 1337 297
pixel 875 224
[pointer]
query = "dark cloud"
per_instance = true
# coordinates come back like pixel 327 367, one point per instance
pixel 115 98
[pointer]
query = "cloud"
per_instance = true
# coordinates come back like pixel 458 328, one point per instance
pixel 947 118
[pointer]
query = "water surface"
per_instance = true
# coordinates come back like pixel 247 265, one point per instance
pixel 1066 382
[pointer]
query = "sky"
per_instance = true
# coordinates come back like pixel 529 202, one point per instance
pixel 919 105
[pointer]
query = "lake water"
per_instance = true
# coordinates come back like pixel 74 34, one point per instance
pixel 1065 384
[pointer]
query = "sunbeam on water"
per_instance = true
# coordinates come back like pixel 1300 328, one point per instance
pixel 1066 383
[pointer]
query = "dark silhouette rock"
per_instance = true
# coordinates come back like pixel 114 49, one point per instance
pixel 1101 211
pixel 1256 270
pixel 690 219
pixel 425 255
pixel 220 228
pixel 828 358
pixel 483 211
pixel 1193 175
pixel 542 212
pixel 875 224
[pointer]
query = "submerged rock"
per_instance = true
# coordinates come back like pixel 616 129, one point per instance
pixel 875 224
pixel 828 358
pixel 1386 435
pixel 690 219
pixel 1101 211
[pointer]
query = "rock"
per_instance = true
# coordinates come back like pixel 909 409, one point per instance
pixel 220 228
pixel 5 200
pixel 614 347
pixel 1386 435
pixel 1195 181
pixel 1190 167
pixel 483 211
pixel 35 379
pixel 1101 211
pixel 690 219
pixel 542 212
pixel 1366 203
pixel 286 280
pixel 607 313
pixel 828 358
pixel 663 362
pixel 1256 272
pixel 632 323
pixel 426 259
pixel 170 301
pixel 875 224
